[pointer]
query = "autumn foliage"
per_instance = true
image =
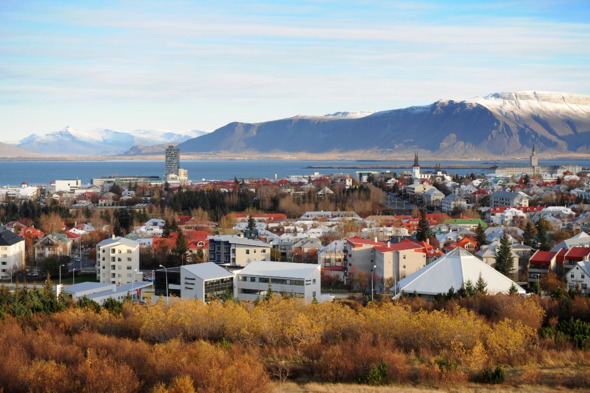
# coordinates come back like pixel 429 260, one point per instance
pixel 230 346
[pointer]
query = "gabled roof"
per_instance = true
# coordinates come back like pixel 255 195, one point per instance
pixel 453 270
pixel 581 239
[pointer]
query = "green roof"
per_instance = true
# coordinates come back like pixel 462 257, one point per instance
pixel 467 221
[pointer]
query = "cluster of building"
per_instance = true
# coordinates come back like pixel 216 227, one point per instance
pixel 292 256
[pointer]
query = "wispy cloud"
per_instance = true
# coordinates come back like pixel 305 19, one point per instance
pixel 264 60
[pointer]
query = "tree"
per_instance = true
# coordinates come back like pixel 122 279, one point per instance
pixel 528 237
pixel 480 285
pixel 181 246
pixel 251 224
pixel 480 236
pixel 504 262
pixel 423 233
pixel 542 241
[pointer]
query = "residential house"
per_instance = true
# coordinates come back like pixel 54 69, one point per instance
pixel 12 253
pixel 542 263
pixel 433 197
pixel 578 277
pixel 453 202
pixel 53 245
pixel 507 198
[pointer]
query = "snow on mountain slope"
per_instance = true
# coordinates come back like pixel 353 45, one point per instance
pixel 100 141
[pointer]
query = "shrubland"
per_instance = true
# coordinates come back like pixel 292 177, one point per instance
pixel 232 346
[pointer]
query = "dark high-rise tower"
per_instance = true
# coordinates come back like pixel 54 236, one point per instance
pixel 172 161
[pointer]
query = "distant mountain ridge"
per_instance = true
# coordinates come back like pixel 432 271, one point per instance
pixel 500 124
pixel 103 141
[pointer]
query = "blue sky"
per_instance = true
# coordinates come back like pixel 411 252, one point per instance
pixel 182 65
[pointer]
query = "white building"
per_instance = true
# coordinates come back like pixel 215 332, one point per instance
pixel 12 253
pixel 205 281
pixel 117 261
pixel 67 185
pixel 101 292
pixel 452 271
pixel 579 276
pixel 298 280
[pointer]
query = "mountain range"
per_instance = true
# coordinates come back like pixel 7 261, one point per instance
pixel 71 141
pixel 500 124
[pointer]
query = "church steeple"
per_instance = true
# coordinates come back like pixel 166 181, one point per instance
pixel 416 168
pixel 534 158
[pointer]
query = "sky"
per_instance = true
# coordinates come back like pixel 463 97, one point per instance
pixel 197 65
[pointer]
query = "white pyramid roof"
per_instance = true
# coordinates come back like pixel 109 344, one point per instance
pixel 453 270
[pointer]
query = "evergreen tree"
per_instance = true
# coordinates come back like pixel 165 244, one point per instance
pixel 181 246
pixel 504 262
pixel 513 290
pixel 543 241
pixel 528 237
pixel 251 224
pixel 424 232
pixel 480 236
pixel 480 285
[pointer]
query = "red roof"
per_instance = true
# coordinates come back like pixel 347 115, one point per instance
pixel 577 253
pixel 542 257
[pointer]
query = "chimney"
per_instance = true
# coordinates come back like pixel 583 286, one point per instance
pixel 388 244
pixel 376 239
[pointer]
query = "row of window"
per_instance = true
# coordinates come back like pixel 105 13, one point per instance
pixel 279 281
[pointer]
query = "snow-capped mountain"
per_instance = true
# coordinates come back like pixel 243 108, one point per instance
pixel 498 124
pixel 100 141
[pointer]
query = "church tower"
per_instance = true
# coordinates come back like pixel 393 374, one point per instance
pixel 416 168
pixel 534 159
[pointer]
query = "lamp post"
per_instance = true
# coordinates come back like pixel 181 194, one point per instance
pixel 372 279
pixel 60 266
pixel 166 271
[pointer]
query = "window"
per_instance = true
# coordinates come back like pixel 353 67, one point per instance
pixel 128 259
pixel 263 251
pixel 571 276
pixel 247 252
pixel 112 259
pixel 314 283
pixel 252 279
pixel 128 267
pixel 583 277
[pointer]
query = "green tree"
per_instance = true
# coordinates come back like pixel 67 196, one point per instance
pixel 481 285
pixel 423 232
pixel 181 246
pixel 480 236
pixel 504 263
pixel 528 237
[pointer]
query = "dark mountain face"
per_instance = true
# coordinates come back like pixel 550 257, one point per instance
pixel 496 125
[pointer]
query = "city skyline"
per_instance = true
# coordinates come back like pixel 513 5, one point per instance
pixel 199 65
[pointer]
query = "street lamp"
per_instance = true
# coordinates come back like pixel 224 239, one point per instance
pixel 372 279
pixel 132 281
pixel 60 266
pixel 166 271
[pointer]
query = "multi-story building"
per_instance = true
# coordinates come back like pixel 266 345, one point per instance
pixel 172 161
pixel 237 251
pixel 12 253
pixel 205 281
pixel 298 280
pixel 117 261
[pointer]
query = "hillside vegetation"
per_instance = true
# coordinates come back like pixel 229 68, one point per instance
pixel 56 345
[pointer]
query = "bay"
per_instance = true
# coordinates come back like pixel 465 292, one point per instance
pixel 43 172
